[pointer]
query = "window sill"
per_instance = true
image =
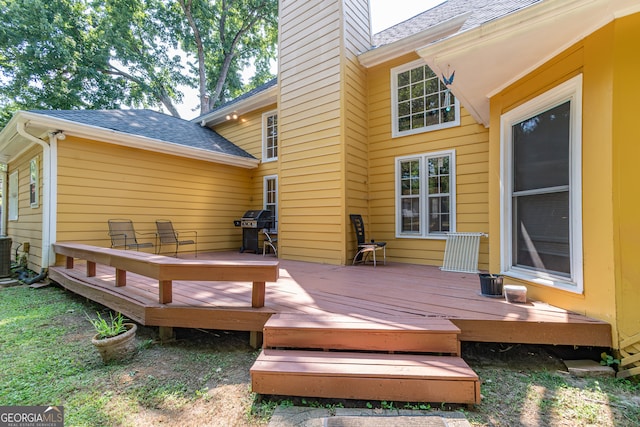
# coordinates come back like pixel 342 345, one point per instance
pixel 420 236
pixel 541 279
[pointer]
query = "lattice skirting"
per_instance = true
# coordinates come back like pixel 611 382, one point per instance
pixel 630 356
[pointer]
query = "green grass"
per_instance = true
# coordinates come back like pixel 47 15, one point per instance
pixel 47 359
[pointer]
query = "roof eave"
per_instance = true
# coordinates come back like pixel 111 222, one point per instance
pixel 489 58
pixel 409 44
pixel 53 124
pixel 260 100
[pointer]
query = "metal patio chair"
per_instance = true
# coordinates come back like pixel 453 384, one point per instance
pixel 123 235
pixel 269 242
pixel 167 235
pixel 366 248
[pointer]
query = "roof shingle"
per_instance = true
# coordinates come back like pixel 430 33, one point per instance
pixel 151 124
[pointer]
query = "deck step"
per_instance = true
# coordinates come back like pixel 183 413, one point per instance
pixel 332 332
pixel 362 376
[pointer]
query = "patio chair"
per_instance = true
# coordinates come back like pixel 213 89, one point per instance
pixel 168 236
pixel 269 242
pixel 366 248
pixel 123 235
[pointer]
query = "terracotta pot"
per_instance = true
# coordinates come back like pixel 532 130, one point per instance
pixel 119 347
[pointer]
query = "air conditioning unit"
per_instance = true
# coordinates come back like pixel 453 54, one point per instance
pixel 5 256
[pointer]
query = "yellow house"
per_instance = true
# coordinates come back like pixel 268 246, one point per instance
pixel 69 172
pixel 513 119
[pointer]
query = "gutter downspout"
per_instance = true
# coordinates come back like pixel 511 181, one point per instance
pixel 49 152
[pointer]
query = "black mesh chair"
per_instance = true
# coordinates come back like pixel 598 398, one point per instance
pixel 168 236
pixel 123 235
pixel 366 248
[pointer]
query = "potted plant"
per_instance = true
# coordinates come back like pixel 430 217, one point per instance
pixel 490 284
pixel 114 338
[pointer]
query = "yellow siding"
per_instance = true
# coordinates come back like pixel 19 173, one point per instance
pixel 246 133
pixel 28 227
pixel 357 39
pixel 98 182
pixel 626 175
pixel 470 142
pixel 322 125
pixel 610 204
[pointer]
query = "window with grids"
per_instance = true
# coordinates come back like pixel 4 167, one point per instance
pixel 271 198
pixel 270 136
pixel 426 195
pixel 421 101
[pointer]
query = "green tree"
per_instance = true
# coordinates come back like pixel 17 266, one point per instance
pixel 225 37
pixel 90 54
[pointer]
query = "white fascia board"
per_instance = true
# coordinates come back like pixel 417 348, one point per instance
pixel 493 56
pixel 260 100
pixel 410 44
pixel 133 141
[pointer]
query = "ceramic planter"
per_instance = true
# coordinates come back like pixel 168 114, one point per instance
pixel 119 347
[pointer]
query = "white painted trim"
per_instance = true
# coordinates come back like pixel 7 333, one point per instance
pixel 260 100
pixel 124 139
pixel 264 198
pixel 423 196
pixel 395 133
pixel 265 115
pixel 409 44
pixel 570 90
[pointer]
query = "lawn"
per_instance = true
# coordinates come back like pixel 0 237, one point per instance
pixel 203 377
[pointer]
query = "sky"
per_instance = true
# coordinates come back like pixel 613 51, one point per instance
pixel 384 14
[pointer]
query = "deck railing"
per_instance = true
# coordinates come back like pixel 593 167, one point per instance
pixel 167 269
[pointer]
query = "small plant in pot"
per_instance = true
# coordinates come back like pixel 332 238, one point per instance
pixel 114 338
pixel 490 284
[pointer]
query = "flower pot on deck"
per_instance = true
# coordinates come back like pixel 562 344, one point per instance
pixel 490 284
pixel 120 347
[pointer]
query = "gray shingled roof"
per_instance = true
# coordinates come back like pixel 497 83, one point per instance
pixel 151 124
pixel 245 95
pixel 481 11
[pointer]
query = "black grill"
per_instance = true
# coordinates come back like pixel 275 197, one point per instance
pixel 252 222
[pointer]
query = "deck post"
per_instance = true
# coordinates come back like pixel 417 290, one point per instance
pixel 121 277
pixel 165 333
pixel 257 294
pixel 255 339
pixel 69 264
pixel 91 269
pixel 165 291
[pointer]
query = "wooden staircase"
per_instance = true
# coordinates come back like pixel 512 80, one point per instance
pixel 395 359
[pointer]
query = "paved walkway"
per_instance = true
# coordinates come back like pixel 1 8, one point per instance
pixel 296 416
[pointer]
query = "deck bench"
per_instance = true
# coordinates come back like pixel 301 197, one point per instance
pixel 167 269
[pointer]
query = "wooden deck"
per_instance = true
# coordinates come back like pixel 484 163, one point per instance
pixel 361 291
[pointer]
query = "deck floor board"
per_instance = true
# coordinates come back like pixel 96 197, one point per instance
pixel 390 291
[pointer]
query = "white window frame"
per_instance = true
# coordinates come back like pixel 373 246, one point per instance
pixel 570 90
pixel 265 189
pixel 34 178
pixel 395 132
pixel 13 188
pixel 424 196
pixel 265 151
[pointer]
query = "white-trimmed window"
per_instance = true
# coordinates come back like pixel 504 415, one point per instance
pixel 13 197
pixel 270 136
pixel 34 190
pixel 425 195
pixel 270 198
pixel 420 101
pixel 542 201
